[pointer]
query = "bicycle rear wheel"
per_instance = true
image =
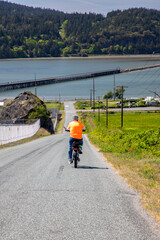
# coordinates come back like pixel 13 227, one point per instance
pixel 75 161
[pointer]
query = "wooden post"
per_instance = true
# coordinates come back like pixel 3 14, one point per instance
pixel 114 87
pixel 35 85
pixel 90 97
pixel 106 112
pixel 93 96
pixel 122 90
pixel 98 109
pixel 122 108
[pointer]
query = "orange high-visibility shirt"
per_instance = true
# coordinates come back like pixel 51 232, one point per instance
pixel 75 128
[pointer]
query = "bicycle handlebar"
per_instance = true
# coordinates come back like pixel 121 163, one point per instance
pixel 67 130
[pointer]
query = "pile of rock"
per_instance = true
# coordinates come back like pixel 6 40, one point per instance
pixel 23 106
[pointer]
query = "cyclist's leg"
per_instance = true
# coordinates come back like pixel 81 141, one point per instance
pixel 70 148
pixel 81 142
pixel 80 145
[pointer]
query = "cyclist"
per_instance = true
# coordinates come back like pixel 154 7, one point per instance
pixel 75 128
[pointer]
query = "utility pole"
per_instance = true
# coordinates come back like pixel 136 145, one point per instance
pixel 93 95
pixel 114 87
pixel 122 108
pixel 98 109
pixel 35 84
pixel 59 99
pixel 106 112
pixel 91 98
pixel 122 89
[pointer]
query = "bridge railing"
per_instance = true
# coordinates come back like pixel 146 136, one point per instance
pixel 66 77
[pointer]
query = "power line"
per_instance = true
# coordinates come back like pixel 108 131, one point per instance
pixel 151 83
pixel 136 74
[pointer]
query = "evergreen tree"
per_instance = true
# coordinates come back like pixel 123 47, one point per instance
pixel 35 32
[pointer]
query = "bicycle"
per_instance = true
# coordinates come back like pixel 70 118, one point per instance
pixel 75 153
pixel 76 150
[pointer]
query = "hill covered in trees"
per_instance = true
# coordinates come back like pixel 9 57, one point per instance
pixel 36 32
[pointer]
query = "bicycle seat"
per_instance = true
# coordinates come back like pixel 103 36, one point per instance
pixel 75 144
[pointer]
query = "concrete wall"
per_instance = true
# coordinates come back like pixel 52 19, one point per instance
pixel 15 132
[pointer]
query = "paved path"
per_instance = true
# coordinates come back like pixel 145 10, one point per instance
pixel 42 197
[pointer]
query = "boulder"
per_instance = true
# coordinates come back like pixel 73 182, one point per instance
pixel 27 106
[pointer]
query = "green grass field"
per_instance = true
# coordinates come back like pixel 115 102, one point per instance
pixel 134 120
pixel 55 104
pixel 133 150
pixel 140 134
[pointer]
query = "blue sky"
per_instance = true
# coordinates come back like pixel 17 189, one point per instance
pixel 96 6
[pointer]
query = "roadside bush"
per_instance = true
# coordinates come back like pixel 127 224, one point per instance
pixel 141 104
pixel 39 112
pixel 119 141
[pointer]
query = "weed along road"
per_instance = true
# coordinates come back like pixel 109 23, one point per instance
pixel 42 197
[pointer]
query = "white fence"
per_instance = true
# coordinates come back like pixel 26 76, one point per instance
pixel 14 132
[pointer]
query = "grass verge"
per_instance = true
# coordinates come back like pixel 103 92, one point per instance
pixel 59 128
pixel 133 151
pixel 55 104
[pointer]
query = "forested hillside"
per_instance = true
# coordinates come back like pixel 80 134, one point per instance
pixel 36 32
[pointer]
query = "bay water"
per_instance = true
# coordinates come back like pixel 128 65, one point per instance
pixel 137 84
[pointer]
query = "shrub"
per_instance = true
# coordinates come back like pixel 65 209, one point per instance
pixel 39 112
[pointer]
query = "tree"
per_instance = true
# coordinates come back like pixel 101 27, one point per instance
pixel 19 52
pixel 66 51
pixel 83 53
pixel 108 95
pixel 118 92
pixel 34 32
pixel 55 50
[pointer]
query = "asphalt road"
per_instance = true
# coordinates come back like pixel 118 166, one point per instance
pixel 132 109
pixel 42 197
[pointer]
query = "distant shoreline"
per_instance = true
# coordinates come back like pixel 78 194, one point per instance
pixel 142 56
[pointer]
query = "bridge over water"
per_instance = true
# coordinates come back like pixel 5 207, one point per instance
pixel 38 82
